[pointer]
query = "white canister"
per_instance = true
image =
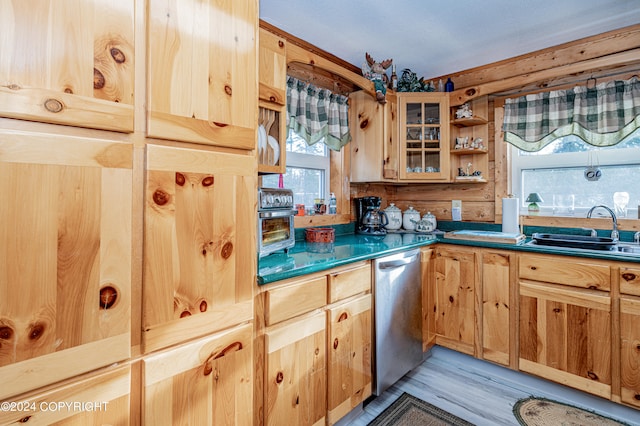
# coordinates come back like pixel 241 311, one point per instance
pixel 431 219
pixel 409 219
pixel 394 215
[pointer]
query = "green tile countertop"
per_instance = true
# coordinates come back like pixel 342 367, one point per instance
pixel 307 258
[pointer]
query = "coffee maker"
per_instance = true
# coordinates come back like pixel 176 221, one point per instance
pixel 370 219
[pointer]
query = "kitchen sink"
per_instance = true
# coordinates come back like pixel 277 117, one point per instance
pixel 575 241
pixel 585 243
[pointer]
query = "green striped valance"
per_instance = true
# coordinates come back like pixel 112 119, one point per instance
pixel 316 113
pixel 602 115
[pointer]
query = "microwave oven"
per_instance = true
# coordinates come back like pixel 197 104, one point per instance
pixel 275 220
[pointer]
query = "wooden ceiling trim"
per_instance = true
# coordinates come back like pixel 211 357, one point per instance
pixel 593 47
pixel 627 58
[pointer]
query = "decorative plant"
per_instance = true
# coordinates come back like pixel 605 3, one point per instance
pixel 409 82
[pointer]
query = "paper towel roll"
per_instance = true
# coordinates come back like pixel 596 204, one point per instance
pixel 510 215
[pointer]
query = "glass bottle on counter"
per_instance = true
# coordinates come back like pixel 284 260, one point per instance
pixel 333 204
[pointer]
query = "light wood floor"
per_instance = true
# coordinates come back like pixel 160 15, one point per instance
pixel 481 392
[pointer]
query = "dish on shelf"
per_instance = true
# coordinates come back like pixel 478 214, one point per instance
pixel 262 141
pixel 275 146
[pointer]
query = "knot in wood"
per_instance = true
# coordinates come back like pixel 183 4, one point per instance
pixel 160 197
pixel 335 344
pixel 36 331
pixel 108 297
pixel 226 251
pixel 98 79
pixel 117 55
pixel 279 377
pixel 180 179
pixel 628 276
pixel 227 89
pixel 53 105
pixel 6 333
pixel 203 306
pixel 207 181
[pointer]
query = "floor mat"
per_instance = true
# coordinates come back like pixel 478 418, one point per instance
pixel 408 410
pixel 534 411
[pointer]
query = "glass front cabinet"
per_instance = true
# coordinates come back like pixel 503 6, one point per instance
pixel 424 136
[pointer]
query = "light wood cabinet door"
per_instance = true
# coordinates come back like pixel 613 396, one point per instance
pixel 68 62
pixel 65 262
pixel 496 306
pixel 97 399
pixel 199 243
pixel 455 293
pixel 349 356
pixel 205 382
pixel 296 375
pixel 203 71
pixel 424 137
pixel 630 281
pixel 565 335
pixel 273 68
pixel 630 350
pixel 374 133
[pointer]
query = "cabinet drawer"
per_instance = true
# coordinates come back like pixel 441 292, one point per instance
pixel 630 281
pixel 287 302
pixel 564 270
pixel 349 282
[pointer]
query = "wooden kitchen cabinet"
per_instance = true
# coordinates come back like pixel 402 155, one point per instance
pixel 65 237
pixel 203 71
pixel 565 321
pixel 456 287
pixel 272 68
pixel 199 243
pixel 313 346
pixel 207 381
pixel 296 372
pixel 374 138
pixel 349 356
pixel 471 302
pixel 630 350
pixel 424 137
pixel 101 398
pixel 498 301
pixel 68 63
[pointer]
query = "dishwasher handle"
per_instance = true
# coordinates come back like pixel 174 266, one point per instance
pixel 392 264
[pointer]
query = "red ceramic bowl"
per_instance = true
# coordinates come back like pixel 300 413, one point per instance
pixel 320 235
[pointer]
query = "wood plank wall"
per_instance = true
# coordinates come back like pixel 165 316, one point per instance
pixel 603 57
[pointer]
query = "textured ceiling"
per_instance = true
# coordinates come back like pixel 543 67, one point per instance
pixel 439 37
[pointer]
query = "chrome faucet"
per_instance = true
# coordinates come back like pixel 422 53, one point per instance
pixel 615 235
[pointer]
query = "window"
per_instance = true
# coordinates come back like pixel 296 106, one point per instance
pixel 557 173
pixel 307 171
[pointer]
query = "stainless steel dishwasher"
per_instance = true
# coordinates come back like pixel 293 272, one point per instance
pixel 397 324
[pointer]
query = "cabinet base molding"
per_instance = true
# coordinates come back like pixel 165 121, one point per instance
pixel 600 389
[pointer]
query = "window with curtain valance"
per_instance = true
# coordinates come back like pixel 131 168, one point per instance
pixel 317 114
pixel 601 115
